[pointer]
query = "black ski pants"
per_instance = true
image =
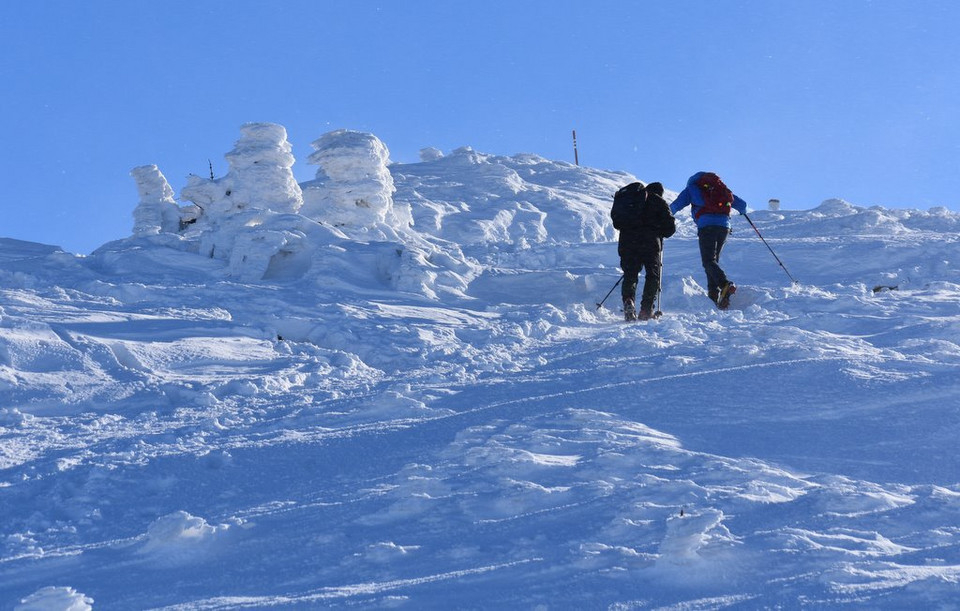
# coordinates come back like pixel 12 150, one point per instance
pixel 712 238
pixel 632 262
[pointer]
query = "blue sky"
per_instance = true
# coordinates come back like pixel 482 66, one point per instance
pixel 799 100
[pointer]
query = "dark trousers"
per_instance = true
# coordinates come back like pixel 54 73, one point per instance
pixel 712 238
pixel 632 263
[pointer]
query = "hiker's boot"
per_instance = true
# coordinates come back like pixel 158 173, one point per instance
pixel 728 289
pixel 629 310
pixel 645 314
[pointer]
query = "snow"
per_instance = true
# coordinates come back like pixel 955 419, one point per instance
pixel 271 395
pixel 353 187
pixel 157 211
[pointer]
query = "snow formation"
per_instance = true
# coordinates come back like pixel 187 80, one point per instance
pixel 286 399
pixel 157 211
pixel 353 188
pixel 260 176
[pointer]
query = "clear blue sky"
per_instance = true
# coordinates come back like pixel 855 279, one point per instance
pixel 800 100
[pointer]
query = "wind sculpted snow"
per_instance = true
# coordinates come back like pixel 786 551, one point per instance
pixel 438 415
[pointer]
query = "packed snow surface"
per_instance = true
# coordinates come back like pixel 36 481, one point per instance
pixel 392 387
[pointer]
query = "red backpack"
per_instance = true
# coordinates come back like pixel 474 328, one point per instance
pixel 717 198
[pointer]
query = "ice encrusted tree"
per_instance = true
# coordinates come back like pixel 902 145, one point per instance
pixel 260 176
pixel 261 168
pixel 157 211
pixel 353 189
pixel 268 227
pixel 239 221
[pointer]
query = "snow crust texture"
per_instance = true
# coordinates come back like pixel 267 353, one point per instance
pixel 391 386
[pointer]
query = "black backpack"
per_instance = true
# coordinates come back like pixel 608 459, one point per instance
pixel 625 204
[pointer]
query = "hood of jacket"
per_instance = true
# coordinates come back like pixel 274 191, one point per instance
pixel 693 179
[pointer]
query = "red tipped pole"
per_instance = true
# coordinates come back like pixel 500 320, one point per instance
pixel 576 158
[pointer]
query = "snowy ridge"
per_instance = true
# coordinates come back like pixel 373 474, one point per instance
pixel 414 402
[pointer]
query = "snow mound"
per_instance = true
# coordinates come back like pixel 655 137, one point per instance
pixel 179 538
pixel 56 599
pixel 474 199
pixel 17 250
pixel 430 154
pixel 690 537
pixel 839 217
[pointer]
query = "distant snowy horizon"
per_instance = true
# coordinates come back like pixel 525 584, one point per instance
pixel 354 167
pixel 391 386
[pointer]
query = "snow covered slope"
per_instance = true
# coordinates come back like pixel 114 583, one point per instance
pixel 414 402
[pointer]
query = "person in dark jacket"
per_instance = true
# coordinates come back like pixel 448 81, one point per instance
pixel 644 220
pixel 712 232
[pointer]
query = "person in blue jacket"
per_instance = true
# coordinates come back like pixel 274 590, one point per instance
pixel 710 203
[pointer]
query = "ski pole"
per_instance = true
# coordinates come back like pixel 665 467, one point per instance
pixel 770 249
pixel 611 290
pixel 659 312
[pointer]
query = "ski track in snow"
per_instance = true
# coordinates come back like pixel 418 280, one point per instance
pixel 174 438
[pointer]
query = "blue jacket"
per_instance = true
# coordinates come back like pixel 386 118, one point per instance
pixel 691 196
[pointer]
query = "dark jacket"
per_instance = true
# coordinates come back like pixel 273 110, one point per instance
pixel 643 218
